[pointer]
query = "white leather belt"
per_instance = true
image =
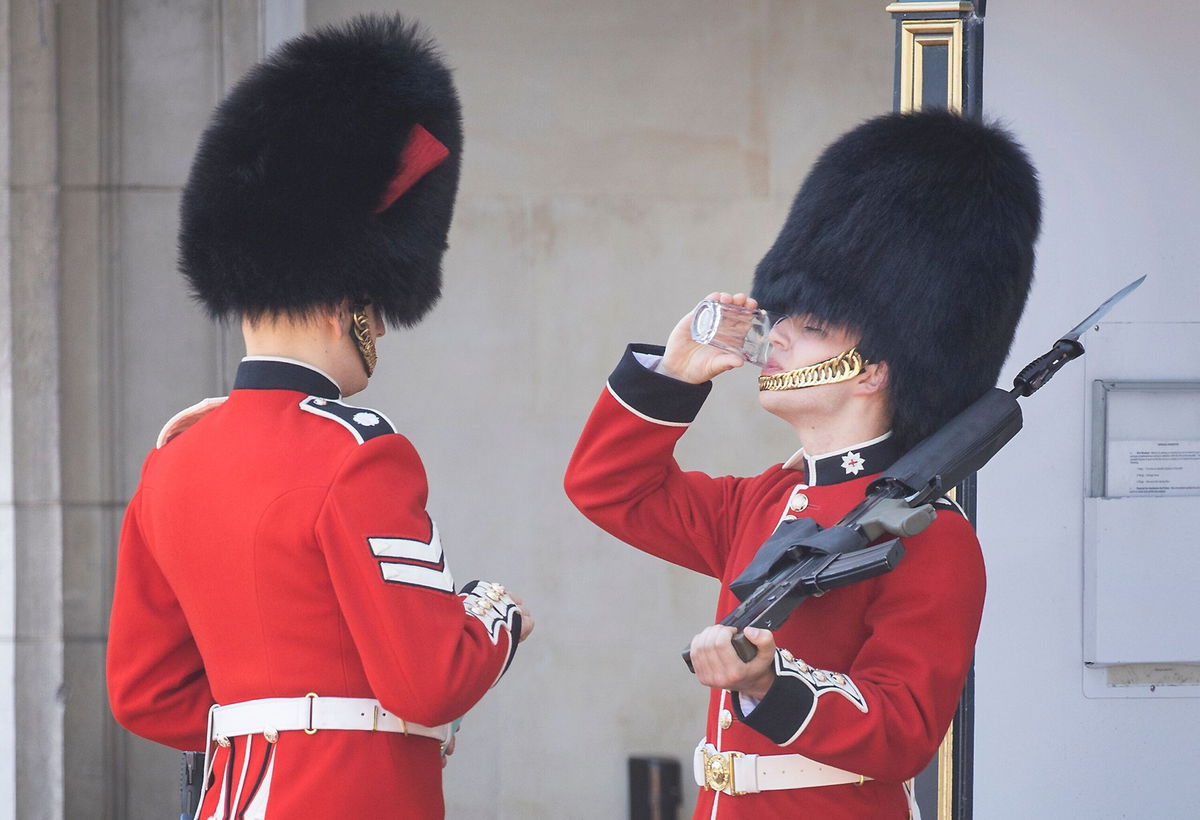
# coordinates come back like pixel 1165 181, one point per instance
pixel 737 773
pixel 270 716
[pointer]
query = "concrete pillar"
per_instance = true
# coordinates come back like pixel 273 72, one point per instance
pixel 137 80
pixel 31 637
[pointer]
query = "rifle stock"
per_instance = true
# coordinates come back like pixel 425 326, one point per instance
pixel 940 462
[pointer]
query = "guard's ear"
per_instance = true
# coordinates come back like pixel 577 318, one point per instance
pixel 333 320
pixel 874 378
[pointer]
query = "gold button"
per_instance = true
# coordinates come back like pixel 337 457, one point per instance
pixel 798 503
pixel 272 735
pixel 222 741
pixel 726 719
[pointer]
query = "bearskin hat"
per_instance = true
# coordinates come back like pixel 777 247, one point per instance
pixel 328 173
pixel 916 230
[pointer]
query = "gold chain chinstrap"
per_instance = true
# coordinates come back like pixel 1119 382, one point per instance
pixel 831 371
pixel 361 327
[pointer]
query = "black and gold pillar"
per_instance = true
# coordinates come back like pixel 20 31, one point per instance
pixel 939 56
pixel 939 64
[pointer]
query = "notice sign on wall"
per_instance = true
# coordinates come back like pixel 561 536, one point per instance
pixel 1153 468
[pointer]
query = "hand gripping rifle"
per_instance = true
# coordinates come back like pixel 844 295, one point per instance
pixel 800 559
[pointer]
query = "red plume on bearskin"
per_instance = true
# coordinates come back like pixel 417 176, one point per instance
pixel 918 231
pixel 329 172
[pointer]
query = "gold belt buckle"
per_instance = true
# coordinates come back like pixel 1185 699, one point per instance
pixel 312 702
pixel 718 771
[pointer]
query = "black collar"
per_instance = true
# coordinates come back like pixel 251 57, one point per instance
pixel 284 374
pixel 847 464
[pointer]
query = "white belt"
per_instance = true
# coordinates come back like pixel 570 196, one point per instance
pixel 311 713
pixel 737 773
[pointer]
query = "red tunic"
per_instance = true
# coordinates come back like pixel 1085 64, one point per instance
pixel 280 546
pixel 896 648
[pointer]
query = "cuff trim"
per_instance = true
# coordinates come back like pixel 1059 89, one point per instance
pixel 653 396
pixel 496 610
pixel 791 701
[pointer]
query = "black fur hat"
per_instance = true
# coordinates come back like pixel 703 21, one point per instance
pixel 916 230
pixel 292 199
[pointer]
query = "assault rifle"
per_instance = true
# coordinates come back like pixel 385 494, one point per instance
pixel 800 559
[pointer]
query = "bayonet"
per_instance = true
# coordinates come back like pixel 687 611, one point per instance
pixel 1074 333
pixel 1042 369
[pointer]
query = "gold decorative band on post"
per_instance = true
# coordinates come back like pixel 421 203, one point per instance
pixel 916 38
pixel 930 8
pixel 831 371
pixel 945 777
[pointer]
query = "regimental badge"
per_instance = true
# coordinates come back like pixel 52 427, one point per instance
pixel 853 462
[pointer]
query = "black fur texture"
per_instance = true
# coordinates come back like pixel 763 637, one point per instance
pixel 277 215
pixel 918 231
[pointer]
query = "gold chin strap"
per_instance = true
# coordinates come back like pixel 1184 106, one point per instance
pixel 840 368
pixel 360 327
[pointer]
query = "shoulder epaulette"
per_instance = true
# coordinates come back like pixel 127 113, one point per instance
pixel 186 418
pixel 363 423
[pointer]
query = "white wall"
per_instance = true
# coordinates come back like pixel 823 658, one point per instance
pixel 1104 96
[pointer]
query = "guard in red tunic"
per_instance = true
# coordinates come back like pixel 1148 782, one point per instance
pixel 899 277
pixel 282 596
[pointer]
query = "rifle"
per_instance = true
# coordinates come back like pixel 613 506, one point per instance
pixel 800 559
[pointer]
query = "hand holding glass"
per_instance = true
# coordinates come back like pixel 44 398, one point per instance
pixel 735 329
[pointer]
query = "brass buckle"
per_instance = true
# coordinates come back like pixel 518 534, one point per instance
pixel 312 699
pixel 718 772
pixel 378 713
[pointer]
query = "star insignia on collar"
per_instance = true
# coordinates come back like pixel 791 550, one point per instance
pixel 853 463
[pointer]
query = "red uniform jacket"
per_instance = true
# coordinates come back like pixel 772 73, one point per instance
pixel 280 546
pixel 878 666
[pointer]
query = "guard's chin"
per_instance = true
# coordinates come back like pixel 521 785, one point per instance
pixel 773 401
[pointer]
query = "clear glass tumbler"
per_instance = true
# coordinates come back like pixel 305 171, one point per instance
pixel 735 329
